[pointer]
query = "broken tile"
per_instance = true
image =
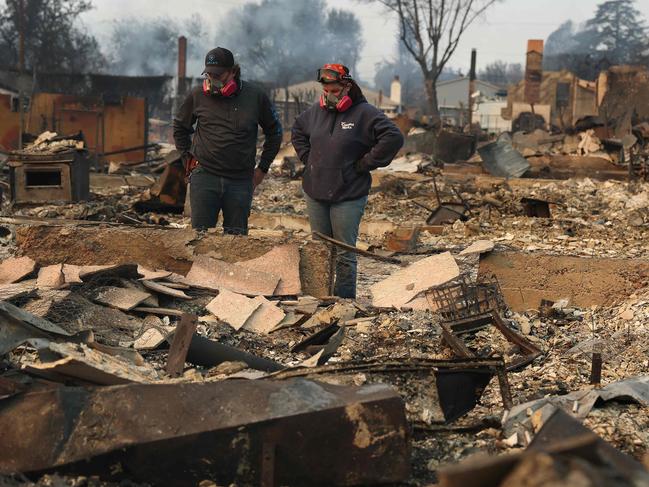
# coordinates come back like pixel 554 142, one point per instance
pixel 336 313
pixel 71 272
pixel 150 275
pixel 162 289
pixel 232 308
pixel 51 277
pixel 283 261
pixel 406 284
pixel 478 247
pixel 120 298
pixel 267 316
pixel 215 274
pixel 81 362
pixel 16 268
pixel 150 339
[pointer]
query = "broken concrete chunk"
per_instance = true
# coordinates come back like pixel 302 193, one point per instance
pixel 51 277
pixel 72 272
pixel 214 274
pixel 14 269
pixel 120 298
pixel 152 338
pixel 78 361
pixel 283 261
pixel 405 284
pixel 336 313
pixel 265 318
pixel 478 247
pixel 232 308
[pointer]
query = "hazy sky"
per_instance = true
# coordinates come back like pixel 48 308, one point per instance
pixel 502 33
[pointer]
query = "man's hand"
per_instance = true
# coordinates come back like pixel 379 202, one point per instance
pixel 257 178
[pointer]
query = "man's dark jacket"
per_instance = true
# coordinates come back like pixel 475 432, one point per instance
pixel 225 138
pixel 339 149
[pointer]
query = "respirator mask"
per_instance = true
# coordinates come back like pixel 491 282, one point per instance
pixel 335 73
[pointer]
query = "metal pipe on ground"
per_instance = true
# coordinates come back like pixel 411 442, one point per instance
pixel 208 353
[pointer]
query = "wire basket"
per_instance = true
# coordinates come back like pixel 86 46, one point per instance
pixel 463 299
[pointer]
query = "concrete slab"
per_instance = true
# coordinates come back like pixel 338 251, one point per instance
pixel 407 283
pixel 478 247
pixel 50 277
pixel 526 279
pixel 267 316
pixel 232 308
pixel 16 268
pixel 120 298
pixel 283 261
pixel 214 274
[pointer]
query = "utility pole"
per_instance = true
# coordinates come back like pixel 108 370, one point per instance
pixel 471 88
pixel 21 70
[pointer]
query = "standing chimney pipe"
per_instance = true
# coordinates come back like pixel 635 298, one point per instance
pixel 471 87
pixel 182 64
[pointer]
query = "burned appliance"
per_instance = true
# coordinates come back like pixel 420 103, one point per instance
pixel 44 178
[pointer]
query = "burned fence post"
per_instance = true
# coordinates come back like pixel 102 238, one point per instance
pixel 180 345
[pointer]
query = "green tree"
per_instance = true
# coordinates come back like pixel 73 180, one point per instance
pixel 54 42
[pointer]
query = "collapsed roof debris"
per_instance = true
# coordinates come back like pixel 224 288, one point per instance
pixel 482 301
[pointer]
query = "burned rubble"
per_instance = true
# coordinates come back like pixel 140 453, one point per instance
pixel 499 336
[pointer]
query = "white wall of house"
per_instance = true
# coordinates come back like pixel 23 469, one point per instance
pixel 488 114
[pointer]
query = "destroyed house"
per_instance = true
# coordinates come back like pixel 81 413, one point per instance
pixel 453 98
pixel 564 99
pixel 111 111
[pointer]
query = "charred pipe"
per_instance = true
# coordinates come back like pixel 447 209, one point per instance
pixel 208 353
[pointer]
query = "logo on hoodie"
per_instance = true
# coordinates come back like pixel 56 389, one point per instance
pixel 346 125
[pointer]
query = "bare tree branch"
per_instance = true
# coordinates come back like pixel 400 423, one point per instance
pixel 431 31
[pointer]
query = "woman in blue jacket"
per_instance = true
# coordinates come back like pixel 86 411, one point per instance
pixel 340 140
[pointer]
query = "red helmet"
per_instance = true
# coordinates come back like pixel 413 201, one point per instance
pixel 333 73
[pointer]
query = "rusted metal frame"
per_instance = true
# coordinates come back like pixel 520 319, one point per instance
pixel 351 248
pixel 456 344
pixel 505 391
pixel 393 366
pixel 532 350
pixel 472 363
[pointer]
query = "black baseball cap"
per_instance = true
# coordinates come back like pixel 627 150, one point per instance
pixel 218 60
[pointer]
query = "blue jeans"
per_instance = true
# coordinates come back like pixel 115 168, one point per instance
pixel 340 221
pixel 209 194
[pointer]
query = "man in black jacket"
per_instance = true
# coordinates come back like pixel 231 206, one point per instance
pixel 221 155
